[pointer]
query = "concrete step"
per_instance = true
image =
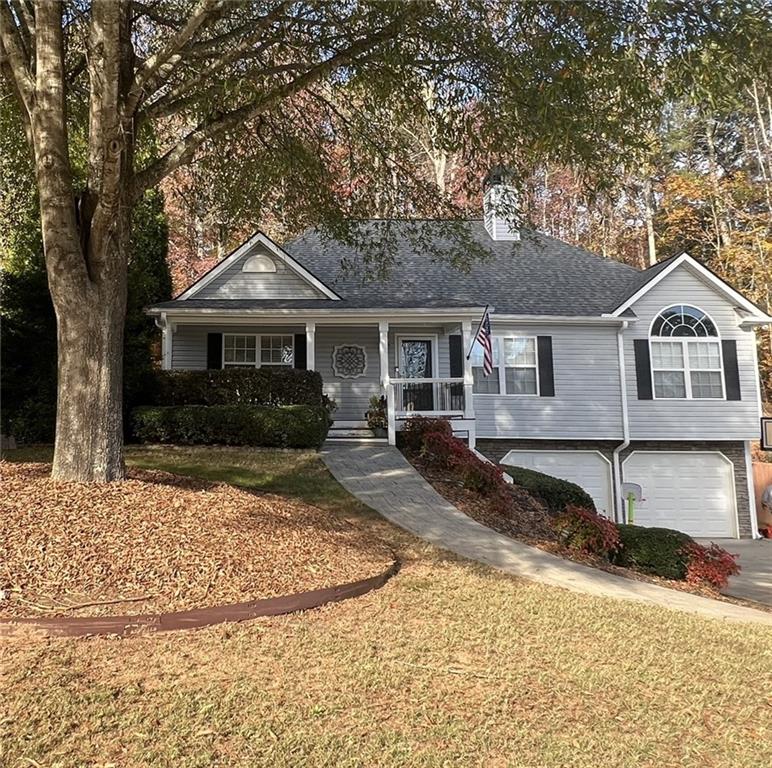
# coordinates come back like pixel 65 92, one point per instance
pixel 347 432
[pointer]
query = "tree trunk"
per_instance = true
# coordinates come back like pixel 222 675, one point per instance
pixel 648 215
pixel 89 416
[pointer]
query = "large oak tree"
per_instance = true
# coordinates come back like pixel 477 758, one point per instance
pixel 295 92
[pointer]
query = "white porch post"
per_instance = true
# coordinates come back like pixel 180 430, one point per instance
pixel 466 332
pixel 310 345
pixel 167 331
pixel 383 349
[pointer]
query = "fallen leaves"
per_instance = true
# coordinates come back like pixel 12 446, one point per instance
pixel 159 542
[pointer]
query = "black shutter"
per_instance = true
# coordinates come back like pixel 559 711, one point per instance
pixel 546 372
pixel 456 352
pixel 731 370
pixel 214 350
pixel 301 358
pixel 643 368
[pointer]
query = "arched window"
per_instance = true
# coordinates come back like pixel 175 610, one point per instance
pixel 686 355
pixel 259 263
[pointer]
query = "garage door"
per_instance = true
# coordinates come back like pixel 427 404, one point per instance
pixel 691 492
pixel 588 469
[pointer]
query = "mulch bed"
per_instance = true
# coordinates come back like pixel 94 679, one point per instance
pixel 158 542
pixel 528 522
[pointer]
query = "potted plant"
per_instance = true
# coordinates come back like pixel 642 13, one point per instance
pixel 376 416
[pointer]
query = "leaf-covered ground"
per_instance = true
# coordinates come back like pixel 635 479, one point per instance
pixel 450 664
pixel 160 542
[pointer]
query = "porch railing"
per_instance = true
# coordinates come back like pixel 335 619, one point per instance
pixel 428 397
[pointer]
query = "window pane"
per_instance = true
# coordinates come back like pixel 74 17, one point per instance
pixel 667 354
pixel 239 349
pixel 519 352
pixel 669 384
pixel 276 350
pixel 520 381
pixel 477 353
pixel 707 384
pixel 485 385
pixel 704 354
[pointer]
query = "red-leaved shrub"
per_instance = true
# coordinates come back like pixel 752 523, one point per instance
pixel 710 565
pixel 433 441
pixel 416 430
pixel 585 530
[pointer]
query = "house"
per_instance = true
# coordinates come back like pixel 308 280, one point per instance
pixel 602 374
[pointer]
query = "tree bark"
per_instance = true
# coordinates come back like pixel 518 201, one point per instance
pixel 89 418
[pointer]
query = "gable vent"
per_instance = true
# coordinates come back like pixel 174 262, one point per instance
pixel 500 205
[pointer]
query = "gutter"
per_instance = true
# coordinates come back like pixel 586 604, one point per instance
pixel 452 312
pixel 619 510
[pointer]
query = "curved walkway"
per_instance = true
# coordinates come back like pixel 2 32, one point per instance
pixel 381 477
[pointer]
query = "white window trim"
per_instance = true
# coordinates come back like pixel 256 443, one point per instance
pixel 498 342
pixel 687 368
pixel 258 343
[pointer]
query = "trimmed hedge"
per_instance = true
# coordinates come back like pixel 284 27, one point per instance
pixel 294 426
pixel 555 493
pixel 660 551
pixel 242 386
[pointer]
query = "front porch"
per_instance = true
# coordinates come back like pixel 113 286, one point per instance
pixel 418 364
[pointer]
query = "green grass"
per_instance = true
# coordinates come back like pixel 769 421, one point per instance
pixel 450 664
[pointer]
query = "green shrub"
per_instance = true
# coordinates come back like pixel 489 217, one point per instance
pixel 294 426
pixel 659 551
pixel 35 420
pixel 239 386
pixel 556 494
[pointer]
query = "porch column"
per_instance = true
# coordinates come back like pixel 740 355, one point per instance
pixel 466 331
pixel 167 331
pixel 310 345
pixel 383 349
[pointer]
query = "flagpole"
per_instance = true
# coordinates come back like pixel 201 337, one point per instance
pixel 479 325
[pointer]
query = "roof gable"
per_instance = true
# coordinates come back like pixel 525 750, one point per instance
pixel 654 276
pixel 289 280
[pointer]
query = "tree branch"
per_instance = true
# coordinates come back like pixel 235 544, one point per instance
pixel 14 58
pixel 184 150
pixel 161 64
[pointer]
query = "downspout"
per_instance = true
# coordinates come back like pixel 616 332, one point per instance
pixel 619 507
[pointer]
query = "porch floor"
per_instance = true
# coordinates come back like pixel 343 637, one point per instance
pixel 381 477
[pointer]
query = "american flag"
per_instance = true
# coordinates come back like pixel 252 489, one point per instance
pixel 484 340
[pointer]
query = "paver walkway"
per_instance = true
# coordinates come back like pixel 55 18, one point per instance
pixel 381 477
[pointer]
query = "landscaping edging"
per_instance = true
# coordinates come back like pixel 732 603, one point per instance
pixel 124 626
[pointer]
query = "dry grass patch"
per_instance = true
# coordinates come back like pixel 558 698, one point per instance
pixel 450 664
pixel 160 542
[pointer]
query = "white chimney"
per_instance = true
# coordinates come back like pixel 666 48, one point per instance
pixel 500 205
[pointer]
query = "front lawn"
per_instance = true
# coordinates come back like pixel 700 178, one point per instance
pixel 450 664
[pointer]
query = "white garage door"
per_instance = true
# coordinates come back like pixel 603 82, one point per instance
pixel 588 469
pixel 691 492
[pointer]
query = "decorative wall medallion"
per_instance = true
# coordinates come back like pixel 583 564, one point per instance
pixel 349 361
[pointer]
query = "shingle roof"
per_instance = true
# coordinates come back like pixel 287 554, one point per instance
pixel 537 275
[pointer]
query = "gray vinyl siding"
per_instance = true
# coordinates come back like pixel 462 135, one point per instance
pixel 587 401
pixel 695 419
pixel 282 284
pixel 189 341
pixel 351 395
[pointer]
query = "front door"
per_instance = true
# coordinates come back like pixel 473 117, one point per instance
pixel 416 362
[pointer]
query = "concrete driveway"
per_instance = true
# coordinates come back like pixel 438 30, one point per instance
pixel 754 582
